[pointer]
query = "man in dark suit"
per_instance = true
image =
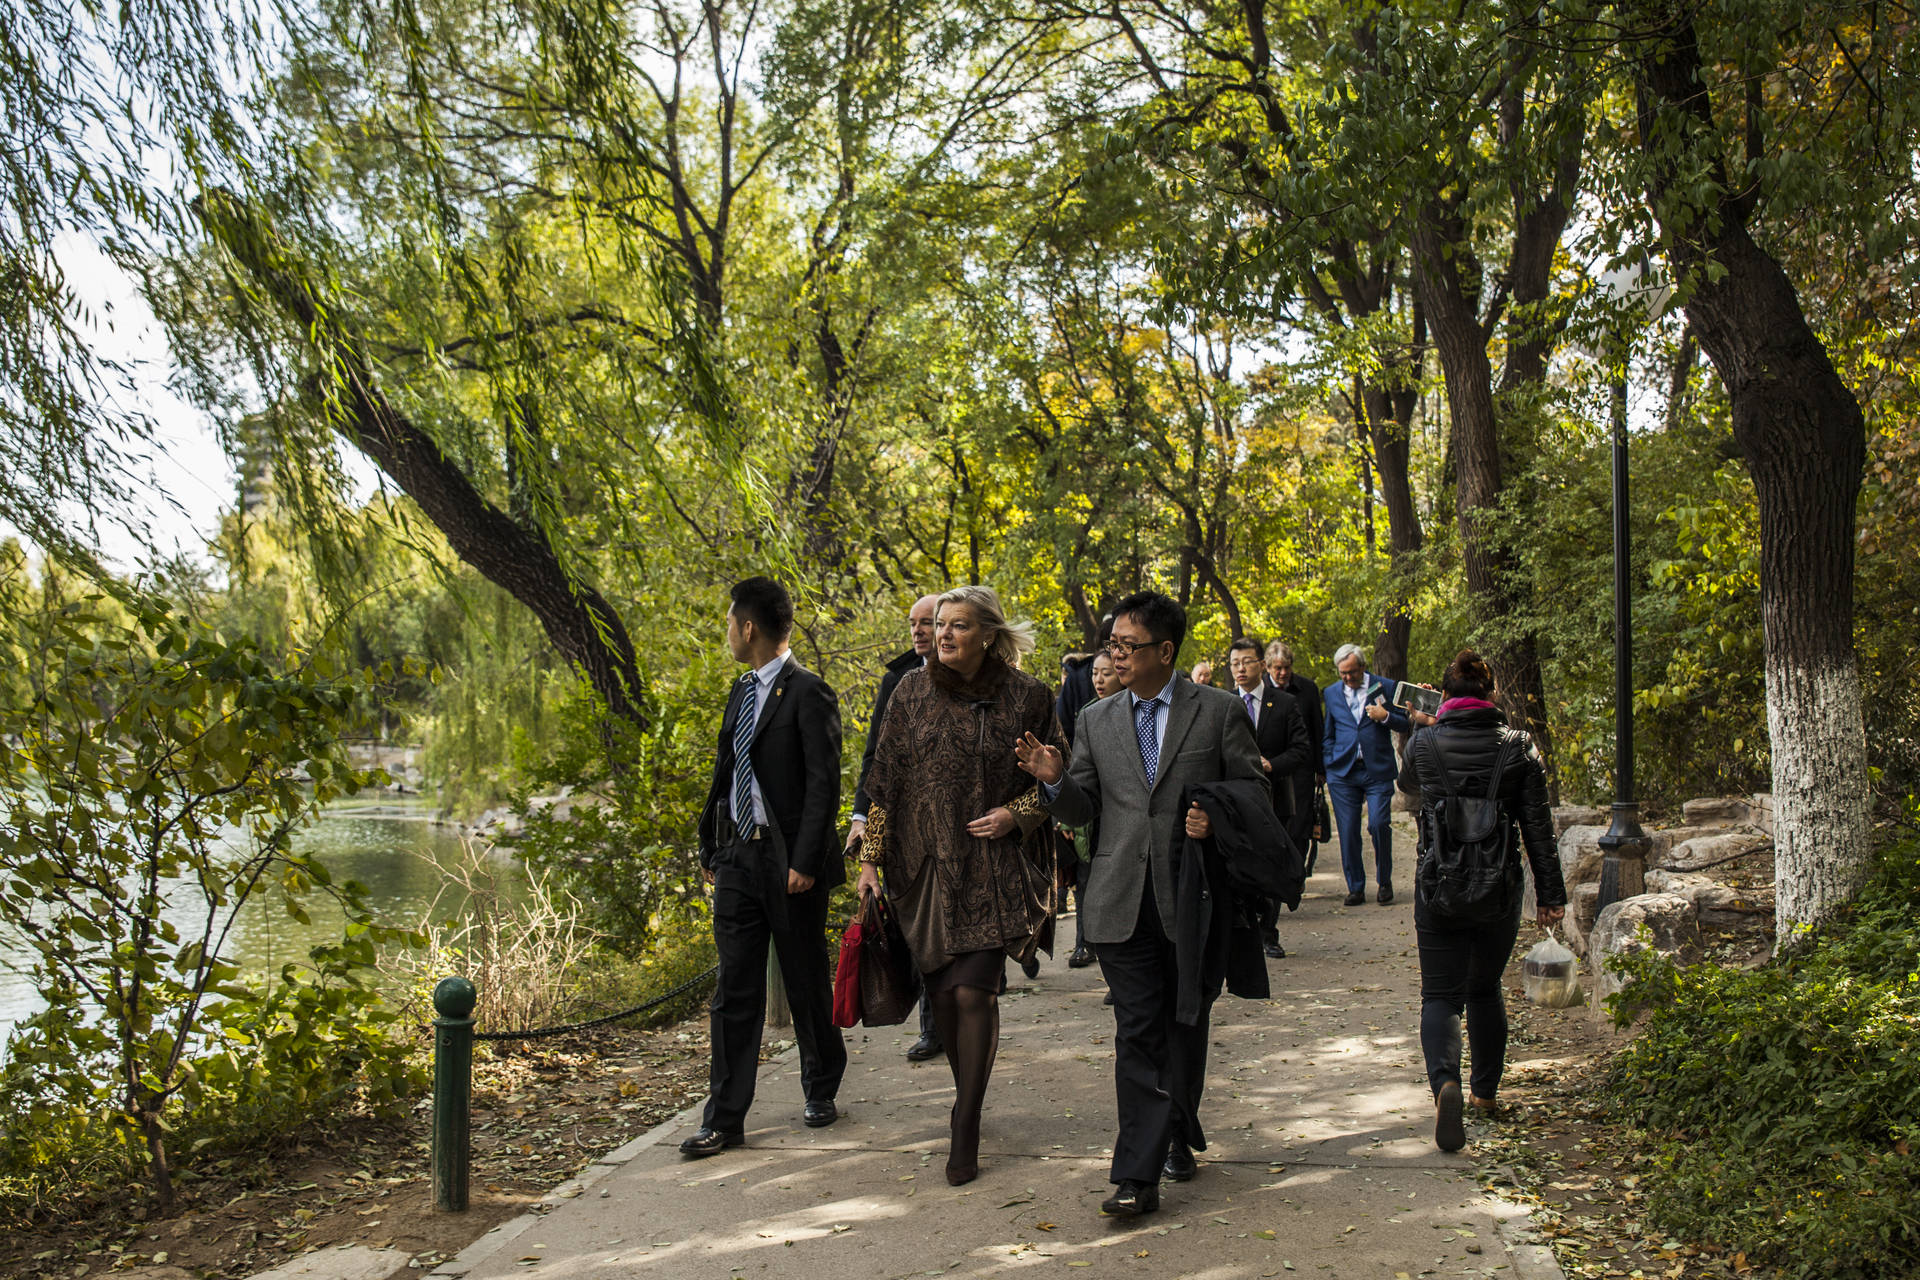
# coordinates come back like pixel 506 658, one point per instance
pixel 920 627
pixel 1286 752
pixel 766 845
pixel 1306 693
pixel 1134 754
pixel 1357 752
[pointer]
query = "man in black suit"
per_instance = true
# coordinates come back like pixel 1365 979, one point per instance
pixel 1281 675
pixel 1286 751
pixel 920 627
pixel 766 845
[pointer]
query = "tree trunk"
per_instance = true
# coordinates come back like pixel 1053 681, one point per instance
pixel 1390 424
pixel 159 1167
pixel 1804 439
pixel 582 625
pixel 1461 341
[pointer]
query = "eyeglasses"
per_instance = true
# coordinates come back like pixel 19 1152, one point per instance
pixel 1127 648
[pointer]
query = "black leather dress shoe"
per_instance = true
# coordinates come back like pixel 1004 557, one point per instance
pixel 821 1114
pixel 1031 967
pixel 1082 957
pixel 1386 894
pixel 1180 1165
pixel 927 1046
pixel 1276 952
pixel 1357 898
pixel 710 1142
pixel 1132 1200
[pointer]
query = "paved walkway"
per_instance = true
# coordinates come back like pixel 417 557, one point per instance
pixel 1322 1160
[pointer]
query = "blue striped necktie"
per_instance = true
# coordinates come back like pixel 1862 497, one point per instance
pixel 743 817
pixel 1149 741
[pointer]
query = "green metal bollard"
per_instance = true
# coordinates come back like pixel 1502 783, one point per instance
pixel 453 1000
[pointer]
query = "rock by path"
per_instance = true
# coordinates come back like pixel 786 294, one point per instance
pixel 1321 1159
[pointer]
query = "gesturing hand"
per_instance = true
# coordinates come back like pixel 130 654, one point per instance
pixel 995 824
pixel 1042 761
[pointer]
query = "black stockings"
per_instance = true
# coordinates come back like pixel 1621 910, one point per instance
pixel 969 1022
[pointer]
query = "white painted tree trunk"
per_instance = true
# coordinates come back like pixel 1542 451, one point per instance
pixel 1822 846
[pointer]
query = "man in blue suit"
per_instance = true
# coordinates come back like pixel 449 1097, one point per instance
pixel 1357 750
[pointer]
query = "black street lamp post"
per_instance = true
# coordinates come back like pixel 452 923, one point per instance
pixel 1624 848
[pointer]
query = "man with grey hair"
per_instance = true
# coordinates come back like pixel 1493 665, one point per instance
pixel 1361 765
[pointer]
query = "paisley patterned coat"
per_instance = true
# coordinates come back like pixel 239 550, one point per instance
pixel 945 757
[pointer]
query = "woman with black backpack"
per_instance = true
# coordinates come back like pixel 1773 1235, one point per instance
pixel 1484 795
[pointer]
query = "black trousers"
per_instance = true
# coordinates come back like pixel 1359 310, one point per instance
pixel 742 929
pixel 1300 830
pixel 1460 972
pixel 1159 1065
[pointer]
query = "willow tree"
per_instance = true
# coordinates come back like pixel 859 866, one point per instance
pixel 631 285
pixel 89 94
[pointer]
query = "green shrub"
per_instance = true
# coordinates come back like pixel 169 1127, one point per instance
pixel 1782 1104
pixel 151 787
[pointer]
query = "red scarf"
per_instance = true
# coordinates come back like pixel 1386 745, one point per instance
pixel 1463 704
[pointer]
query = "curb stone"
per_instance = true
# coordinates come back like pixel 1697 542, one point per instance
pixel 1532 1260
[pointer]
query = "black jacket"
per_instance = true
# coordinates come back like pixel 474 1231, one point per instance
pixel 1281 734
pixel 796 757
pixel 1307 694
pixel 1076 690
pixel 1472 739
pixel 1216 926
pixel 908 661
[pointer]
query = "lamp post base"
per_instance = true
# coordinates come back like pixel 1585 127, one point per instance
pixel 1623 863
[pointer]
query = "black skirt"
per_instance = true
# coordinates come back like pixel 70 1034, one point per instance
pixel 984 969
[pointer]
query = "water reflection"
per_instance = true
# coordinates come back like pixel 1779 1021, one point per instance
pixel 392 849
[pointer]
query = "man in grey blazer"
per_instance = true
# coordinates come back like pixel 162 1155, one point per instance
pixel 1133 755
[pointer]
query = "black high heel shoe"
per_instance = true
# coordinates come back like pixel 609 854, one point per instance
pixel 963 1155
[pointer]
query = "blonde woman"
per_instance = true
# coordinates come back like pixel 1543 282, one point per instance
pixel 957 826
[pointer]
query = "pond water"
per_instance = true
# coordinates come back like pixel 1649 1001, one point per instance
pixel 391 848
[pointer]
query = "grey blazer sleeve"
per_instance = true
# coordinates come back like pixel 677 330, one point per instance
pixel 1076 800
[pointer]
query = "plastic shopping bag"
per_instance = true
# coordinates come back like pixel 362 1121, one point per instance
pixel 1552 974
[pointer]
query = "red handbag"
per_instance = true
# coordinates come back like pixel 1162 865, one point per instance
pixel 846 977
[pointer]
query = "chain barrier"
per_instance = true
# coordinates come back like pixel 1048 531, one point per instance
pixel 540 1033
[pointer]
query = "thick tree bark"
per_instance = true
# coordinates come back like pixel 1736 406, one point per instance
pixel 1390 426
pixel 579 621
pixel 1804 439
pixel 1460 338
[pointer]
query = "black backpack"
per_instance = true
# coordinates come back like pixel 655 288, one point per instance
pixel 1467 873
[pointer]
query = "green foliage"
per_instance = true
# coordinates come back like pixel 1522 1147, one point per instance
pixel 623 841
pixel 151 787
pixel 1782 1104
